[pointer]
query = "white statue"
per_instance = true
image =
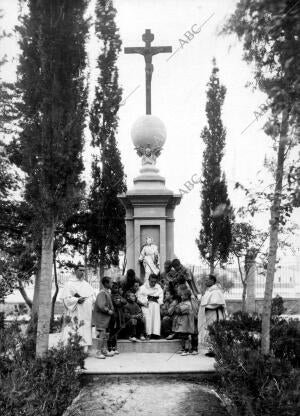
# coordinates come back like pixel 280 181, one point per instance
pixel 150 258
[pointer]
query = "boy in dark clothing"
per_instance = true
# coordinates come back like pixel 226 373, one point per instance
pixel 183 276
pixel 103 311
pixel 167 277
pixel 134 318
pixel 167 311
pixel 129 280
pixel 117 321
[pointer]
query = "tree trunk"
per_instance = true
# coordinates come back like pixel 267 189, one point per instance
pixel 44 307
pixel 24 294
pixel 124 264
pixel 273 244
pixel 54 297
pixel 244 283
pixel 100 273
pixel 251 280
pixel 35 304
pixel 31 328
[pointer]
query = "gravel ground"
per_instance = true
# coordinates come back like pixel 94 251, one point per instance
pixel 145 397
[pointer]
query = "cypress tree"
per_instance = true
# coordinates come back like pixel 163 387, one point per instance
pixel 7 114
pixel 107 226
pixel 53 110
pixel 215 234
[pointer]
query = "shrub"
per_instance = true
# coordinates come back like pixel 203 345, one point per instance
pixel 277 306
pixel 285 340
pixel 258 385
pixel 43 386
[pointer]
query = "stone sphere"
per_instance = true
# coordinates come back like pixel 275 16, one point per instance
pixel 148 131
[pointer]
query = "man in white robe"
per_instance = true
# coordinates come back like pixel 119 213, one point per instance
pixel 212 308
pixel 78 298
pixel 150 297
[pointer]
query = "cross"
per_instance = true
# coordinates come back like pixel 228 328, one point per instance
pixel 148 51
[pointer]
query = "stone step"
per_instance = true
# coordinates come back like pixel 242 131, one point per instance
pixel 147 365
pixel 151 346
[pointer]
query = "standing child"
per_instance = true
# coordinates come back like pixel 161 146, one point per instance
pixel 117 321
pixel 134 318
pixel 103 312
pixel 184 321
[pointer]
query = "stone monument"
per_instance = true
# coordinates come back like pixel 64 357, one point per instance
pixel 149 204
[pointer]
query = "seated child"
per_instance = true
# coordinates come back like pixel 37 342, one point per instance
pixel 134 318
pixel 136 287
pixel 117 321
pixel 167 311
pixel 103 312
pixel 184 321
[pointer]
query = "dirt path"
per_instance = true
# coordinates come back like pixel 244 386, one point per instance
pixel 145 397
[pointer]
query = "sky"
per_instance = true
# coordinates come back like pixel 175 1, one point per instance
pixel 179 85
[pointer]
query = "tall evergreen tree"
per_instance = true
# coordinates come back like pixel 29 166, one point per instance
pixel 8 184
pixel 107 226
pixel 53 109
pixel 215 234
pixel 7 178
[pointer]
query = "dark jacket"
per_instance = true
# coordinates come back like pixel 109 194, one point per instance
pixel 131 310
pixel 168 308
pixel 102 306
pixel 184 321
pixel 119 302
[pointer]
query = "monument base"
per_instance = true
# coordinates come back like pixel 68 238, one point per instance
pixel 149 213
pixel 149 205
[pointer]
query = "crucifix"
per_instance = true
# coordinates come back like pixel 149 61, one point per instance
pixel 148 51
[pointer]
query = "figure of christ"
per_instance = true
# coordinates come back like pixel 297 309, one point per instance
pixel 148 51
pixel 150 297
pixel 149 257
pixel 78 298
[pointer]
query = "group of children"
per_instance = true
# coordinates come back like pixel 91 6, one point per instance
pixel 114 311
pixel 120 310
pixel 179 319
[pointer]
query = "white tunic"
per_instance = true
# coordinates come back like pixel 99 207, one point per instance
pixel 151 312
pixel 212 299
pixel 83 311
pixel 150 258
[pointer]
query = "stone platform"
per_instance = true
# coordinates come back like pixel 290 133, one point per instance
pixel 143 364
pixel 152 346
pixel 145 359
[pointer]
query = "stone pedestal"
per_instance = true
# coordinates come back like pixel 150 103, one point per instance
pixel 149 212
pixel 149 204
